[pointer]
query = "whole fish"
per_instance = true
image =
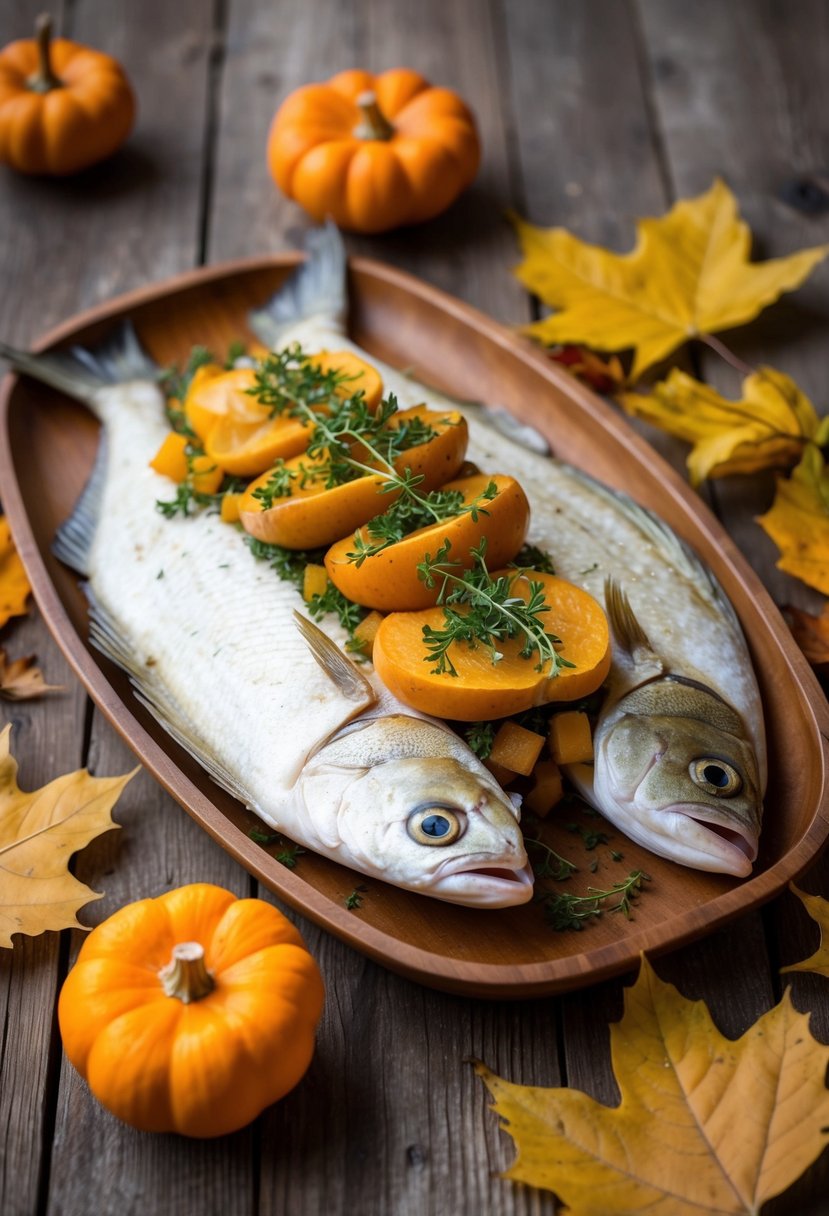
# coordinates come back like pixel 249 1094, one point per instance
pixel 278 715
pixel 680 753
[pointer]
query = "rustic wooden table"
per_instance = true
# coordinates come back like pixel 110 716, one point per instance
pixel 592 112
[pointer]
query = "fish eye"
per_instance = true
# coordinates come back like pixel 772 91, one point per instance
pixel 715 776
pixel 434 825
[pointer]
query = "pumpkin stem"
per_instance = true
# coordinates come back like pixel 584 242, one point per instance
pixel 44 79
pixel 374 124
pixel 186 977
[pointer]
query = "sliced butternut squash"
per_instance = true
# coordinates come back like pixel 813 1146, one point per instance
pixel 312 516
pixel 547 789
pixel 243 437
pixel 483 690
pixel 388 580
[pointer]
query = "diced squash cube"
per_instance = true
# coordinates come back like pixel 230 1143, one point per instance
pixel 502 775
pixel 366 631
pixel 229 512
pixel 170 460
pixel 571 740
pixel 205 475
pixel 547 788
pixel 516 748
pixel 315 581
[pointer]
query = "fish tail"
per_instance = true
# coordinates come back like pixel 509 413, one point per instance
pixel 80 372
pixel 316 288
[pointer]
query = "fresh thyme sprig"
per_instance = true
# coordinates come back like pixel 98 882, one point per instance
pixel 554 865
pixel 488 612
pixel 530 557
pixel 412 511
pixel 349 438
pixel 564 911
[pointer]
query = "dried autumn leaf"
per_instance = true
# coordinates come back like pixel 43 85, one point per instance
pixel 705 1125
pixel 818 909
pixel 603 375
pixel 798 521
pixel 20 680
pixel 811 634
pixel 39 832
pixel 14 585
pixel 765 429
pixel 689 275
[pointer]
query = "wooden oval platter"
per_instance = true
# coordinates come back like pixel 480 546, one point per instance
pixel 47 447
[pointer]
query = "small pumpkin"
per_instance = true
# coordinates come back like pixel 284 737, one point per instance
pixel 63 106
pixel 373 152
pixel 191 1012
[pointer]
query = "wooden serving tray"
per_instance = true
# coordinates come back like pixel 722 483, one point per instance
pixel 47 446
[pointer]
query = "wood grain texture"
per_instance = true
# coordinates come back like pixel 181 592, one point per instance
pixel 591 115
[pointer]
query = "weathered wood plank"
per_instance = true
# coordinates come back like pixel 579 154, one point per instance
pixel 740 92
pixel 135 218
pixel 390 1117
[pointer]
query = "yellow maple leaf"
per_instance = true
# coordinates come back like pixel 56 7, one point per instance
pixel 706 1124
pixel 798 521
pixel 688 276
pixel 765 429
pixel 14 585
pixel 818 909
pixel 39 832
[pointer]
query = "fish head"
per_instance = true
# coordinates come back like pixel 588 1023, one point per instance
pixel 415 807
pixel 677 771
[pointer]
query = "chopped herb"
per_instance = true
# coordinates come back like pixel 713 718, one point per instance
pixel 235 351
pixel 348 613
pixel 616 855
pixel 554 865
pixel 591 839
pixel 260 837
pixel 288 856
pixel 590 569
pixel 564 911
pixel 594 865
pixel 480 736
pixel 175 383
pixel 355 899
pixel 530 557
pixel 492 612
pixel 160 574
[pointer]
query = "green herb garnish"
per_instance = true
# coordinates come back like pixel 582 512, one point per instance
pixel 554 865
pixel 412 511
pixel 480 736
pixel 355 899
pixel 491 612
pixel 563 911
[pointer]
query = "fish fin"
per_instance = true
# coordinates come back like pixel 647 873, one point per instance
pixel 623 620
pixel 73 539
pixel 676 551
pixel 81 373
pixel 105 637
pixel 316 288
pixel 336 665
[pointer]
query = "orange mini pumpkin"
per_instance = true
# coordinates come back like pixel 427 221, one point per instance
pixel 62 106
pixel 192 1012
pixel 373 152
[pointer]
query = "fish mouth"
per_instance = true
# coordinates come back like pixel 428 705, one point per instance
pixel 737 848
pixel 487 886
